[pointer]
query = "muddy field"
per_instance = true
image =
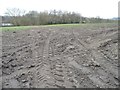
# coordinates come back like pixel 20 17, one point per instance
pixel 59 57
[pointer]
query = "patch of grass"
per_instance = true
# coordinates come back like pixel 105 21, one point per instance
pixel 15 28
pixel 65 25
pixel 29 27
pixel 87 25
pixel 81 26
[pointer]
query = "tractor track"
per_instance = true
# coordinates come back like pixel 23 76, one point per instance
pixel 94 54
pixel 60 58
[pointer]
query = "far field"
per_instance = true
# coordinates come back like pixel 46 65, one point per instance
pixel 60 56
pixel 88 26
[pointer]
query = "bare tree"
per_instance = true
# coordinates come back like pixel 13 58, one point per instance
pixel 15 15
pixel 15 12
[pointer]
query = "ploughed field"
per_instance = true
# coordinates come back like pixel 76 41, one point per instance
pixel 60 57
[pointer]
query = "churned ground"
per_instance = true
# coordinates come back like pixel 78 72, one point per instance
pixel 78 56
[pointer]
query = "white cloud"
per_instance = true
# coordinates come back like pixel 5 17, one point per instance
pixel 89 8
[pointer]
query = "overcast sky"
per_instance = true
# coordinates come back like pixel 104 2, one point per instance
pixel 87 8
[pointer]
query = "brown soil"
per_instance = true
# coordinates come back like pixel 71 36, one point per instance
pixel 57 57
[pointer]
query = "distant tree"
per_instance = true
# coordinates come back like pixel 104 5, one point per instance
pixel 20 17
pixel 15 13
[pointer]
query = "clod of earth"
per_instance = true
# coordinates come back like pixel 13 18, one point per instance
pixel 60 58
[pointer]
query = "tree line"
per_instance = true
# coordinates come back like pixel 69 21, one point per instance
pixel 20 18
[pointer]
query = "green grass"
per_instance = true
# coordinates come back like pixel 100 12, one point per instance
pixel 65 25
pixel 87 25
pixel 82 26
pixel 30 27
pixel 15 28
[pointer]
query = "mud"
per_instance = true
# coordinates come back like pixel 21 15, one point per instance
pixel 50 57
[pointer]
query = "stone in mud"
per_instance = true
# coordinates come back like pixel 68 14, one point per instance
pixel 95 64
pixel 70 48
pixel 31 66
pixel 23 81
pixel 59 45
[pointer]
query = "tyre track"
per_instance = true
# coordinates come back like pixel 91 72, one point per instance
pixel 60 71
pixel 43 77
pixel 66 68
pixel 100 82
